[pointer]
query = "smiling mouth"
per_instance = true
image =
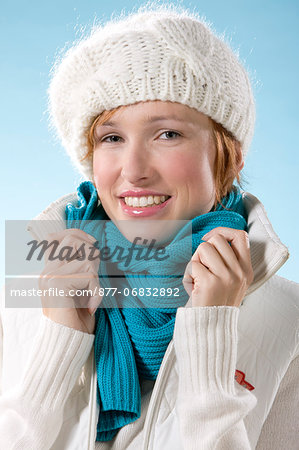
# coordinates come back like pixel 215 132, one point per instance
pixel 145 201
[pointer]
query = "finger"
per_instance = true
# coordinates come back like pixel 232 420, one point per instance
pixel 67 276
pixel 195 273
pixel 96 299
pixel 72 237
pixel 71 248
pixel 87 297
pixel 227 253
pixel 79 288
pixel 208 255
pixel 71 270
pixel 94 303
pixel 74 232
pixel 188 281
pixel 62 266
pixel 239 241
pixel 71 241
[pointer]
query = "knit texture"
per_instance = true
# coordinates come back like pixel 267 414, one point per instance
pixel 161 54
pixel 130 342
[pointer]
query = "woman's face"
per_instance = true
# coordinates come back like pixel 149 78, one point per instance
pixel 154 160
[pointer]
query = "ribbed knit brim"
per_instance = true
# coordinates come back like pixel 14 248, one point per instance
pixel 160 54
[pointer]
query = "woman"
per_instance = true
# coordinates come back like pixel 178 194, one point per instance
pixel 158 114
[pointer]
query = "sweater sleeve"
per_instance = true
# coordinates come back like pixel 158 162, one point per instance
pixel 211 406
pixel 31 413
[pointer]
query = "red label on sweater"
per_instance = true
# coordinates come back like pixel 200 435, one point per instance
pixel 240 378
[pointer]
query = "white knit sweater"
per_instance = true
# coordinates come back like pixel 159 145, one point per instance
pixel 210 409
pixel 30 414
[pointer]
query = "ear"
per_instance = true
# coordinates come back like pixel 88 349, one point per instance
pixel 239 160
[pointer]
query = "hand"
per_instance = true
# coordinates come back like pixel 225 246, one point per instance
pixel 74 276
pixel 219 273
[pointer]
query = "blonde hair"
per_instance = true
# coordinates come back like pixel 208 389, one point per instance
pixel 227 161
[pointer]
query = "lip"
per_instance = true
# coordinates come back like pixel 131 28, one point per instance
pixel 143 193
pixel 146 211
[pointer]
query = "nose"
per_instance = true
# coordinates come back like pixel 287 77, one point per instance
pixel 136 163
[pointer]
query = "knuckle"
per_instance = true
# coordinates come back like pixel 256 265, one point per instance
pixel 250 275
pixel 69 238
pixel 204 247
pixel 187 282
pixel 192 268
pixel 212 282
pixel 219 228
pixel 239 275
pixel 244 236
pixel 229 279
pixel 52 282
pixel 92 275
pixel 212 239
pixel 188 269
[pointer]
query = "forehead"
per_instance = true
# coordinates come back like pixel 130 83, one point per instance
pixel 154 111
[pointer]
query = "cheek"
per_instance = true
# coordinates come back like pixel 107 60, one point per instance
pixel 194 169
pixel 103 178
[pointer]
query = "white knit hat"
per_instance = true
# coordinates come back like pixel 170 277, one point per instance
pixel 162 54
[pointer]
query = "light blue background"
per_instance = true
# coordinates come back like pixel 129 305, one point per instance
pixel 36 170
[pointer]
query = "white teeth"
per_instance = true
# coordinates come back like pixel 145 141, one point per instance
pixel 145 201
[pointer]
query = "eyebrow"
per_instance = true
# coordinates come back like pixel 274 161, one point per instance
pixel 150 119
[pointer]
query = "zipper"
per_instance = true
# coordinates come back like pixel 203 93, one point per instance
pixel 157 394
pixel 93 410
pixel 153 406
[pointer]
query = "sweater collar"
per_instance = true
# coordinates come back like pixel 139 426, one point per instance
pixel 268 253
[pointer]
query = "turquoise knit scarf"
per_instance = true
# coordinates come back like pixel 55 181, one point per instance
pixel 130 342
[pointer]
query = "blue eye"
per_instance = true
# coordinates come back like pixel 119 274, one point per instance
pixel 171 134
